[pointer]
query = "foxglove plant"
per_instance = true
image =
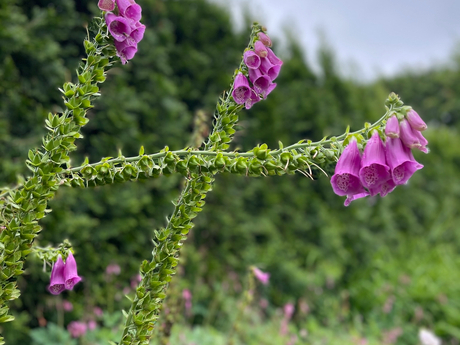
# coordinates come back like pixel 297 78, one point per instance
pixel 118 31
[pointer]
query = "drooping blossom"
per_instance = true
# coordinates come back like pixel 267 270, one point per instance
pixel 288 310
pixel 260 81
pixel 129 9
pixel 118 26
pixel 57 281
pixel 411 137
pixel 416 121
pixel 400 160
pixel 345 180
pixel 264 39
pixel 261 276
pixel 273 58
pixel 251 59
pixel 70 272
pixel 253 99
pixel 125 28
pixel 269 69
pixel 392 127
pixel 76 329
pixel 260 49
pixel 241 89
pixel 374 171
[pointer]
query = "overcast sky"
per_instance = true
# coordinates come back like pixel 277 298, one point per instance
pixel 380 37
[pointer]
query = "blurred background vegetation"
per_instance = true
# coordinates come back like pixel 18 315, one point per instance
pixel 373 273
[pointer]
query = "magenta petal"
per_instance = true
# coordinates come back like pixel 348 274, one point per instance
pixel 260 49
pixel 260 81
pixel 264 39
pixel 392 127
pixel 422 140
pixel 130 9
pixel 70 272
pixel 118 27
pixel 269 90
pixel 252 100
pixel 251 59
pixel 137 33
pixel 351 198
pixel 345 180
pixel 401 161
pixel 374 170
pixel 241 90
pixel 269 69
pixel 273 58
pixel 106 5
pixel 57 281
pixel 126 50
pixel 416 121
pixel 409 136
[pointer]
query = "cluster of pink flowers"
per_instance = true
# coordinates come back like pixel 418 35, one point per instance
pixel 79 328
pixel 63 275
pixel 382 167
pixel 125 28
pixel 263 68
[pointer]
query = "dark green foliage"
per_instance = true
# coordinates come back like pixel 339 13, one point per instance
pixel 344 262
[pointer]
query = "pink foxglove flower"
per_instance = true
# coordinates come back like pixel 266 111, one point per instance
pixel 260 81
pixel 129 9
pixel 269 69
pixel 345 180
pixel 241 90
pixel 251 59
pixel 412 138
pixel 57 282
pixel 106 5
pixel 416 121
pixel 254 98
pixel 392 127
pixel 118 26
pixel 260 49
pixel 263 277
pixel 70 272
pixel 273 58
pixel 126 49
pixel 374 171
pixel 264 39
pixel 401 161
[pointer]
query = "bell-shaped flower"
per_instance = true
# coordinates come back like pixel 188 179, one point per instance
pixel 126 49
pixel 260 81
pixel 411 137
pixel 129 9
pixel 70 272
pixel 106 5
pixel 57 281
pixel 401 161
pixel 251 59
pixel 241 89
pixel 269 69
pixel 119 27
pixel 269 90
pixel 264 39
pixel 260 49
pixel 137 33
pixel 273 58
pixel 253 99
pixel 387 187
pixel 345 180
pixel 374 170
pixel 415 120
pixel 392 127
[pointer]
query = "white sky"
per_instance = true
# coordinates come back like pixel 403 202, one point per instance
pixel 370 37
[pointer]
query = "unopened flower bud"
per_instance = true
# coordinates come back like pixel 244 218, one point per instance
pixel 259 49
pixel 416 121
pixel 264 39
pixel 392 127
